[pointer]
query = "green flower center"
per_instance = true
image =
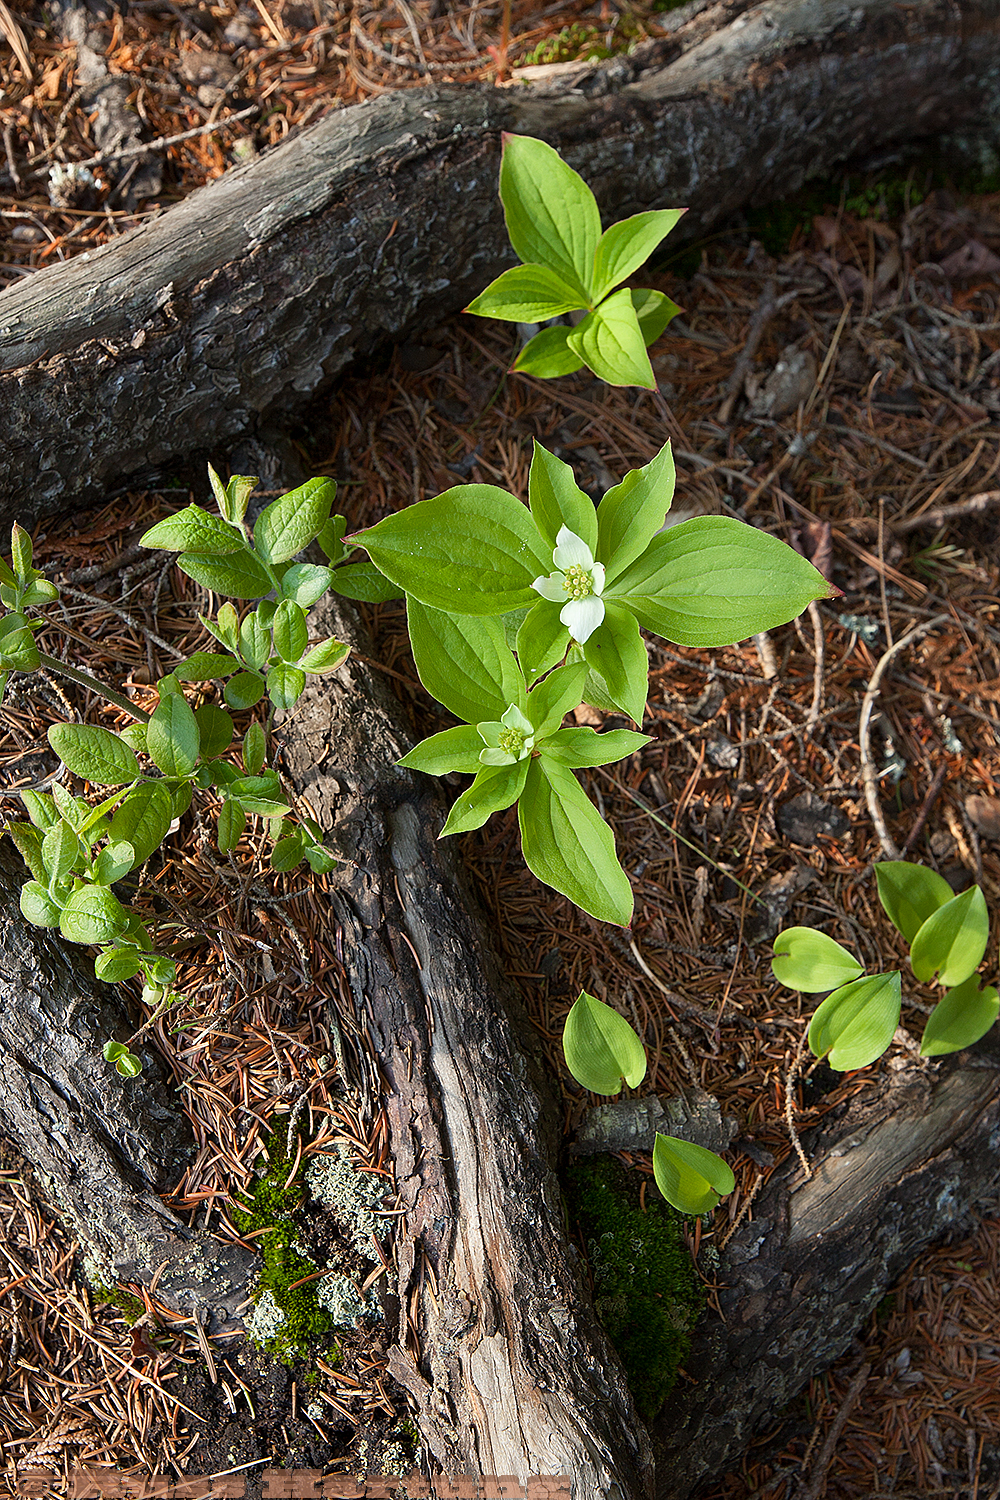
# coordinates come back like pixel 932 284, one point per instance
pixel 511 741
pixel 577 582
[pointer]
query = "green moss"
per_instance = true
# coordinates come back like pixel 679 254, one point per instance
pixel 573 43
pixel 288 1319
pixel 133 1307
pixel 646 1291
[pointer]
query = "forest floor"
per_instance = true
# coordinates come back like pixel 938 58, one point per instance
pixel 835 377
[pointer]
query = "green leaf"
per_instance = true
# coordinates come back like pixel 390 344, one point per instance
pixel 193 530
pixel 238 492
pixel 472 550
pixel 628 244
pixel 714 580
pixel 617 652
pixel 285 685
pixel 542 639
pixel 172 737
pixel 965 1014
pixel 464 662
pixel 37 906
pixel 556 500
pixel 93 753
pixel 910 894
pixel 129 1066
pixel 61 851
pixel 226 628
pixel 567 844
pixel 610 342
pixel 305 583
pixel 232 821
pixel 585 747
pixel 807 960
pixel 255 639
pixel 631 513
pixel 330 538
pixel 40 591
pixel 72 809
pixel 92 915
pixel 20 551
pixel 206 666
pixel 494 789
pixel 319 860
pixel 552 216
pixel 240 575
pixel 855 1024
pixel 952 941
pixel 215 730
pixel 548 355
pixel 244 690
pixel 690 1177
pixel 288 852
pixel 453 750
pixel 114 966
pixel 290 524
pixel 600 1047
pixel 254 749
pixel 40 807
pixel 528 294
pixel 327 656
pixel 28 841
pixel 181 799
pixel 134 736
pixel 654 312
pixel 18 652
pixel 113 862
pixel 553 699
pixel 291 635
pixel 143 819
pixel 364 582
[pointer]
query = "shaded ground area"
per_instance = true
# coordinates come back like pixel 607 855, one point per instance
pixel 842 393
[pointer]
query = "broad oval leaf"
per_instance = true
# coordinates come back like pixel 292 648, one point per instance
pixel 494 789
pixel 113 862
pixel 541 639
pixel 965 1014
pixel 556 500
pixel 239 574
pixel 690 1177
pixel 553 699
pixel 254 749
pixel 600 1047
pixel 92 915
pixel 631 513
pixel 551 214
pixel 952 941
pixel 289 851
pixel 143 819
pixel 255 639
pixel 61 850
pixel 580 747
pixel 715 580
pixel 172 737
pixel 628 244
pixel 567 844
pixel 807 960
pixel 28 841
pixel 455 749
pixel 215 730
pixel 325 657
pixel 115 965
pixel 472 550
pixel 910 894
pixel 37 906
pixel 305 583
pixel 232 821
pixel 610 342
pixel 193 530
pixel 285 685
pixel 855 1024
pixel 654 311
pixel 527 294
pixel 548 355
pixel 364 582
pixel 244 690
pixel 40 807
pixel 94 753
pixel 464 662
pixel 290 523
pixel 206 666
pixel 616 651
pixel 291 635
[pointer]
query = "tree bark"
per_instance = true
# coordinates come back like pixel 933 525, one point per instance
pixel 382 218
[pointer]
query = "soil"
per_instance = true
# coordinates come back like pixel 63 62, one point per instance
pixel 867 410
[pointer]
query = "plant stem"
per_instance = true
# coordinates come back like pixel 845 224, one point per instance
pixel 84 679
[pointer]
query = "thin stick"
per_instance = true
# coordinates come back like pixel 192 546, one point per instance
pixel 817 1478
pixel 84 679
pixel 149 148
pixel 925 807
pixel 945 513
pixel 793 1073
pixel 819 666
pixel 869 779
pixel 881 568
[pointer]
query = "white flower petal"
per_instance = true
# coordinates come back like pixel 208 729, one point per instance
pixel 571 550
pixel 515 719
pixel 582 617
pixel 551 588
pixel 491 757
pixel 597 574
pixel 490 732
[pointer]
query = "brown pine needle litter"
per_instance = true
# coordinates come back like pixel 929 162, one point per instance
pixel 883 468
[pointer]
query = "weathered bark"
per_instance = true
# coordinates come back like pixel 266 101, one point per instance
pixel 890 1174
pixel 99 1146
pixel 247 296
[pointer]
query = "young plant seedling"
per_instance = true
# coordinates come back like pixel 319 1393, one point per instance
pixel 569 266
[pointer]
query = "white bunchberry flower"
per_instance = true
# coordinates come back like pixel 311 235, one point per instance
pixel 507 741
pixel 577 585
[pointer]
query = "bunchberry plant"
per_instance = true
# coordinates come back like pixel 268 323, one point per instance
pixel 77 852
pixel 569 266
pixel 602 1052
pixel 947 935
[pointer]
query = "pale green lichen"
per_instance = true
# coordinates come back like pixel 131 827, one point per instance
pixel 349 1194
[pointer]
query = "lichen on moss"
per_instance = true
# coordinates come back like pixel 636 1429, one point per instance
pixel 646 1291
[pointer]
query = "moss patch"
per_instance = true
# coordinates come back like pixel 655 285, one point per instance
pixel 646 1291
